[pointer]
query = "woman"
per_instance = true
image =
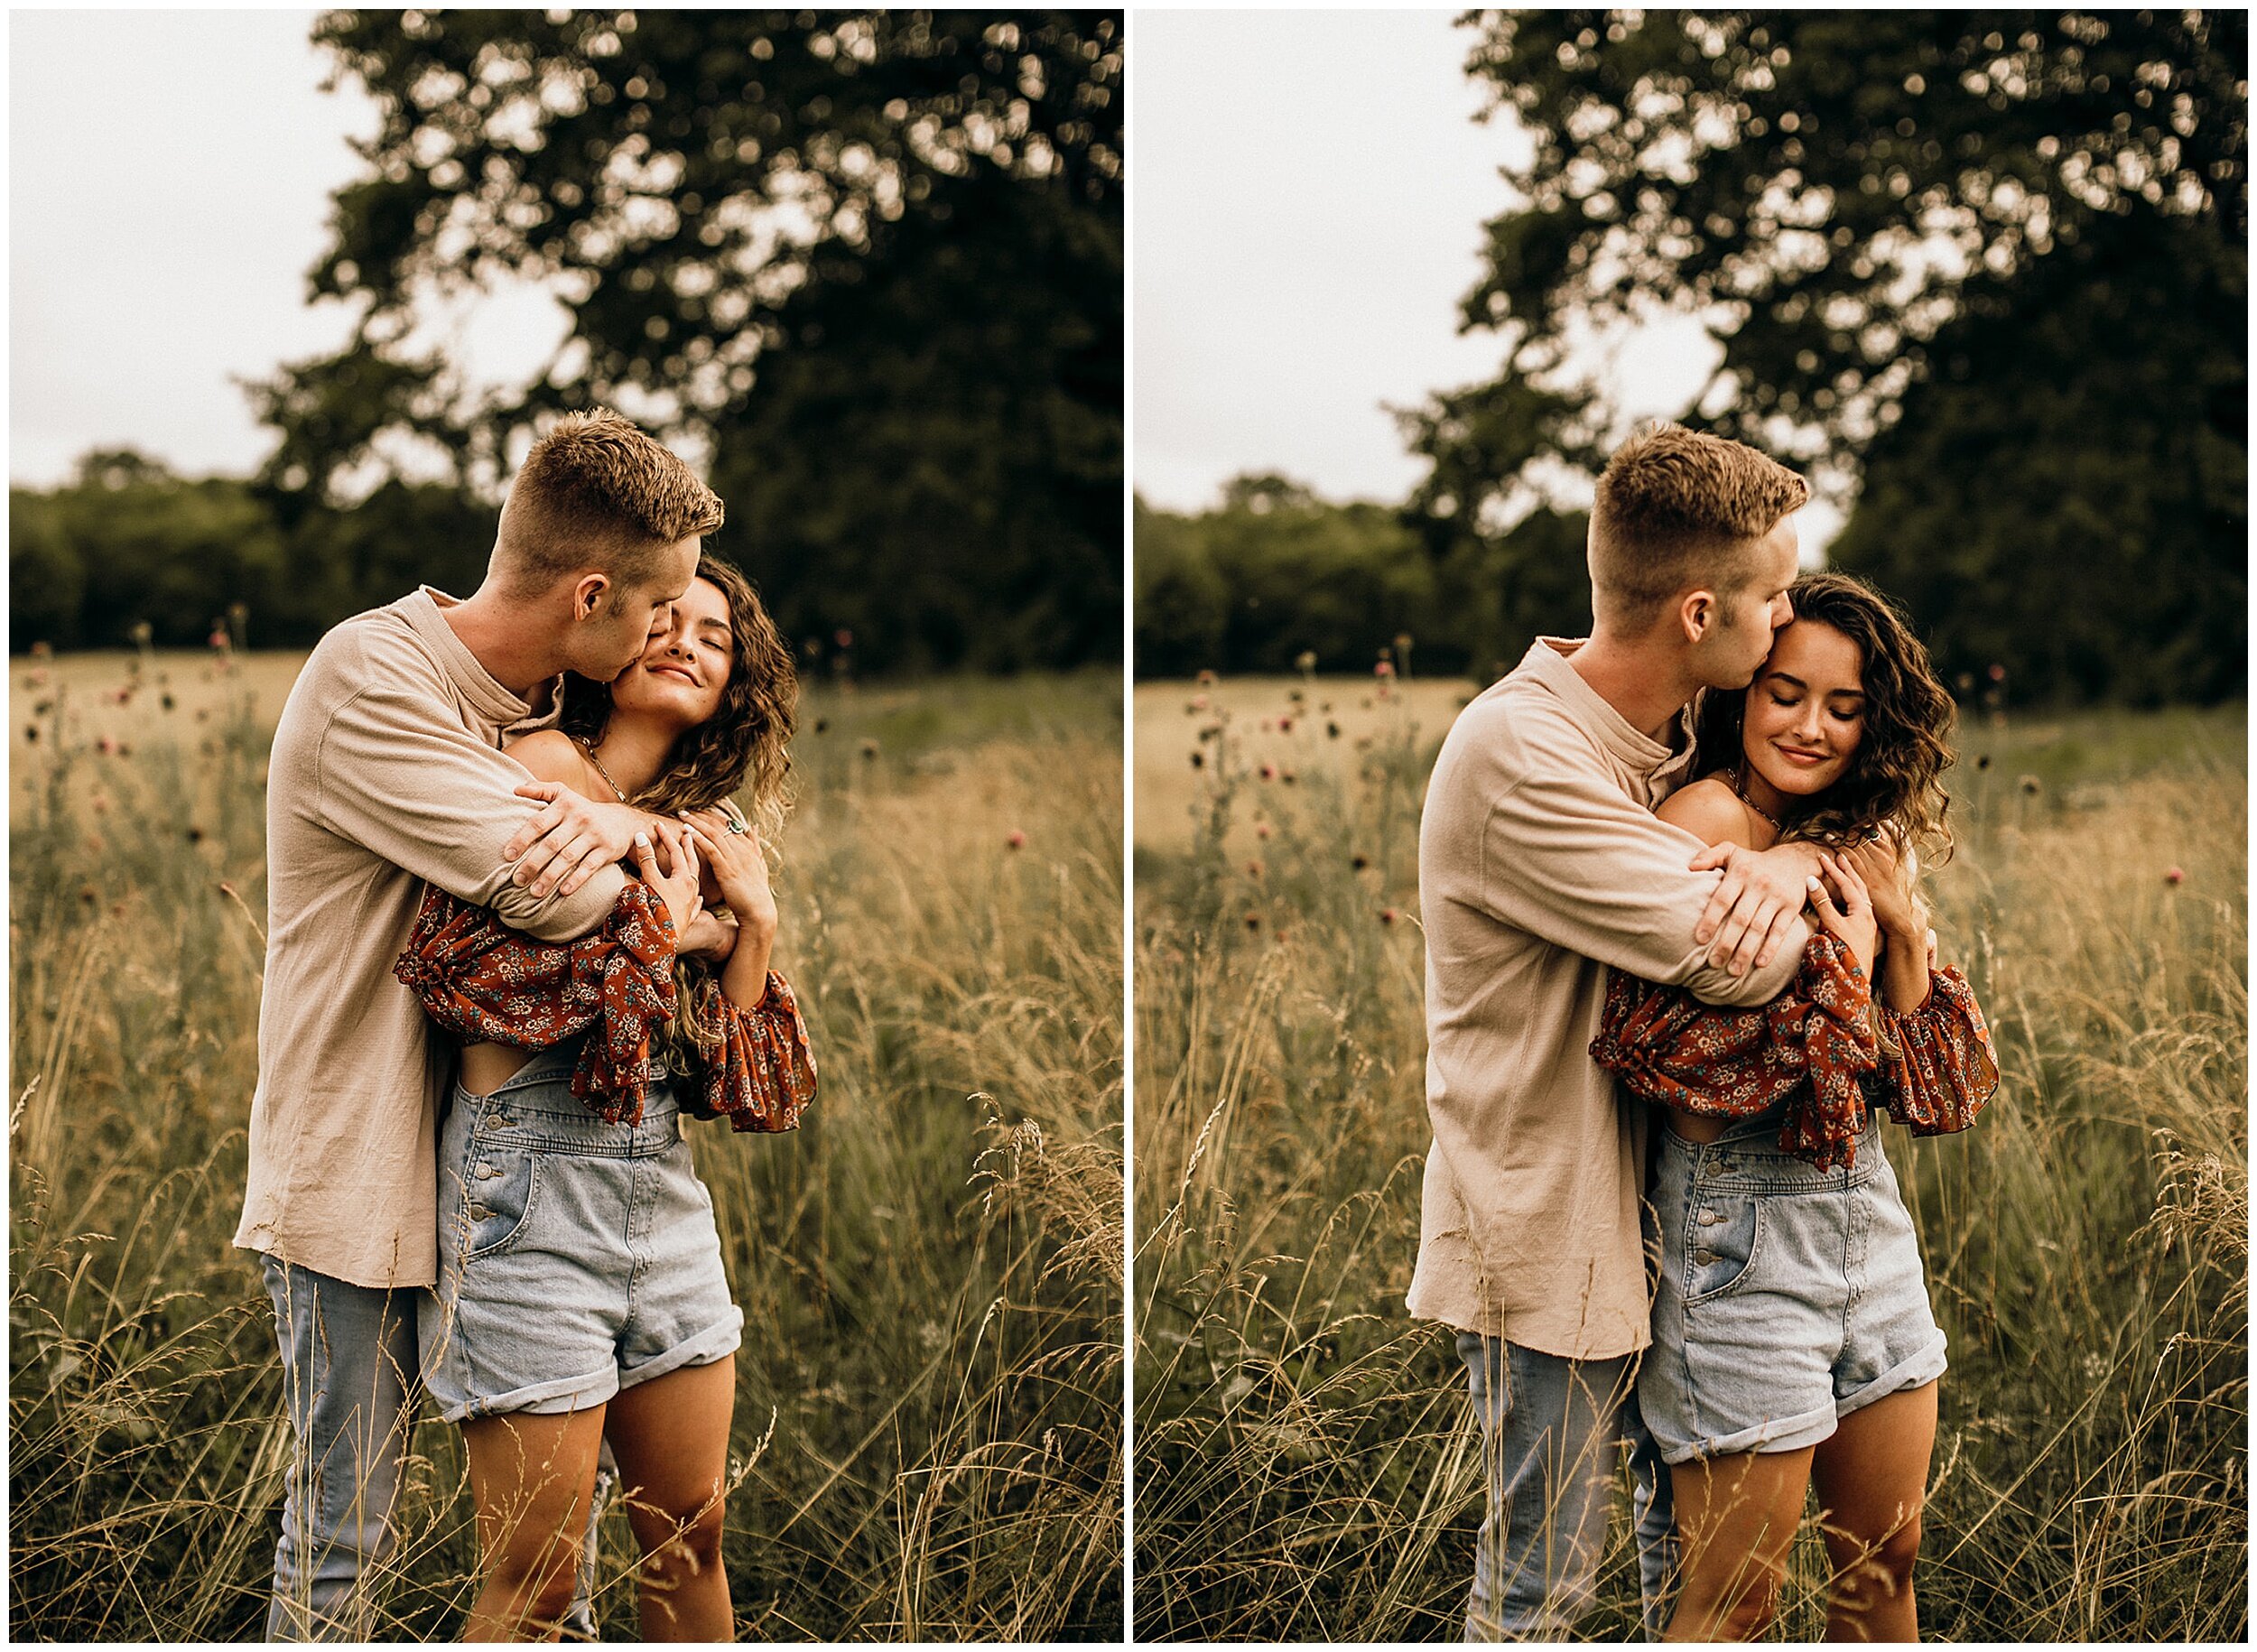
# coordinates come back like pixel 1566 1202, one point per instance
pixel 1793 1339
pixel 581 1295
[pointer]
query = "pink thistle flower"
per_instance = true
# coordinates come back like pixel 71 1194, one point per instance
pixel 2174 876
pixel 1017 839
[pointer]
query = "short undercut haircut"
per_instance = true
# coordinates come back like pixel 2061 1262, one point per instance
pixel 598 494
pixel 1675 512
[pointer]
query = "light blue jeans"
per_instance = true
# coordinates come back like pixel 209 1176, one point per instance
pixel 1553 1431
pixel 349 1380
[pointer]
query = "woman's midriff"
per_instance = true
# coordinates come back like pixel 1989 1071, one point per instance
pixel 487 1067
pixel 1692 1127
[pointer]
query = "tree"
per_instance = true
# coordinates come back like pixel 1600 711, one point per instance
pixel 1871 212
pixel 870 262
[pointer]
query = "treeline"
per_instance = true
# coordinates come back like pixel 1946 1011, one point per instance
pixel 127 543
pixel 2119 597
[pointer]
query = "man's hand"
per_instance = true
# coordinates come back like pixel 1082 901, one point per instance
pixel 709 937
pixel 561 848
pixel 1753 911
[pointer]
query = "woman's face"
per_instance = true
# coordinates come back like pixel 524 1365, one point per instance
pixel 685 664
pixel 1806 710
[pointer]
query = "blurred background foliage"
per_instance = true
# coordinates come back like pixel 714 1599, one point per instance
pixel 1982 275
pixel 867 266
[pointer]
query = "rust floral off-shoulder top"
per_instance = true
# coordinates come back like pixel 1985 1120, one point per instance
pixel 484 981
pixel 1813 1048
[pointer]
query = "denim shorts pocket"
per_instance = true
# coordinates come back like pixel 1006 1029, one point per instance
pixel 1723 1234
pixel 497 1197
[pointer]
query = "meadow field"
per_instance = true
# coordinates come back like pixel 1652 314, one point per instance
pixel 1308 1467
pixel 927 1440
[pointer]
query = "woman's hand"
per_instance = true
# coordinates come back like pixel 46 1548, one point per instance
pixel 675 883
pixel 1851 921
pixel 1882 869
pixel 731 847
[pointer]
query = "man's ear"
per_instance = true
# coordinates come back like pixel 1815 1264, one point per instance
pixel 1696 613
pixel 588 594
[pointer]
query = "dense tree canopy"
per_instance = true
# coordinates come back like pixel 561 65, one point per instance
pixel 1991 265
pixel 870 262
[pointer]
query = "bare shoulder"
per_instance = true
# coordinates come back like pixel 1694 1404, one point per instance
pixel 551 755
pixel 1710 811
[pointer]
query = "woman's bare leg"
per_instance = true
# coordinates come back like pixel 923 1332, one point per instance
pixel 671 1437
pixel 1736 1519
pixel 1872 1477
pixel 531 1477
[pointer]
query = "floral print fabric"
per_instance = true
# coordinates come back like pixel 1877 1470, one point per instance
pixel 484 981
pixel 1813 1049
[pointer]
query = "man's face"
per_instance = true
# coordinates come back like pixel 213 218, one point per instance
pixel 1748 617
pixel 612 637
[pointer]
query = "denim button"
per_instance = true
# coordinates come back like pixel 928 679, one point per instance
pixel 487 1172
pixel 1703 1257
pixel 1709 1219
pixel 478 1212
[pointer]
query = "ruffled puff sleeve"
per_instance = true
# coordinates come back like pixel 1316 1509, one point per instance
pixel 1947 1066
pixel 1810 1046
pixel 484 981
pixel 759 1066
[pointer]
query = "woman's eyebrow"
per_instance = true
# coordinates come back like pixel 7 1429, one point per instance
pixel 1793 682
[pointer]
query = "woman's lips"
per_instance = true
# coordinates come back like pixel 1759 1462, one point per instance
pixel 674 671
pixel 1800 759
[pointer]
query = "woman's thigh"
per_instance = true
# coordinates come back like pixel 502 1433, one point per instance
pixel 1736 1519
pixel 671 1437
pixel 532 1477
pixel 1871 1474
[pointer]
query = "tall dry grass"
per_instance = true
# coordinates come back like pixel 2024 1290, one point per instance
pixel 1307 1465
pixel 927 1428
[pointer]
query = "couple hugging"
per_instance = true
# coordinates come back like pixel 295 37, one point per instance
pixel 1678 965
pixel 479 1036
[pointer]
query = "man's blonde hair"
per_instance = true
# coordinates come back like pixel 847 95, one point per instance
pixel 596 494
pixel 1676 511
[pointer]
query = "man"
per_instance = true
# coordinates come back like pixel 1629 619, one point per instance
pixel 387 772
pixel 1541 864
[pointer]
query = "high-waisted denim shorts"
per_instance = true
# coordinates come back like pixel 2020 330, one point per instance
pixel 576 1257
pixel 1789 1297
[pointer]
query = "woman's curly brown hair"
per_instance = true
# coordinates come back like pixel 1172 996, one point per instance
pixel 742 753
pixel 1894 783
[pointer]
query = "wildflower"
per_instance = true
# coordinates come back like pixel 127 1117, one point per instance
pixel 1284 725
pixel 1199 758
pixel 34 679
pixel 124 697
pixel 1194 705
pixel 2028 784
pixel 1332 730
pixel 1017 839
pixel 822 724
pixel 870 750
pixel 1305 661
pixel 1984 761
pixel 1998 673
pixel 117 909
pixel 2172 875
pixel 31 733
pixel 1384 669
pixel 106 745
pixel 218 639
pixel 1253 869
pixel 1387 914
pixel 843 638
pixel 1261 829
pixel 1357 862
pixel 1269 771
pixel 1206 679
pixel 1253 919
pixel 43 651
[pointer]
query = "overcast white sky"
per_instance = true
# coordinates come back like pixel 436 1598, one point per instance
pixel 1309 190
pixel 169 177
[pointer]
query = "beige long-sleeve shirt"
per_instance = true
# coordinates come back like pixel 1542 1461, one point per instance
pixel 1541 864
pixel 387 772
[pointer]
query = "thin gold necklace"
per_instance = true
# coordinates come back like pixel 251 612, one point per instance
pixel 1738 782
pixel 614 785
